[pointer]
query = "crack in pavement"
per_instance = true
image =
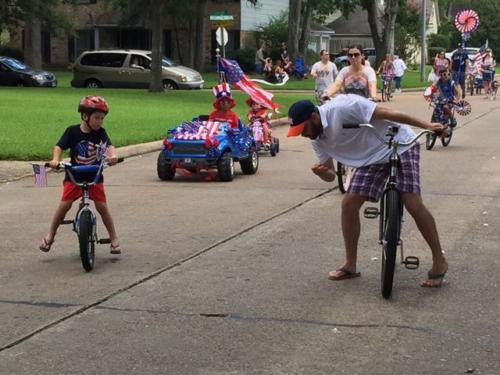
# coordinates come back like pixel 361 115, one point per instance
pixel 160 271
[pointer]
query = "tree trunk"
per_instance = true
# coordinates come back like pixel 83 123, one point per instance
pixel 306 28
pixel 201 45
pixel 156 84
pixel 374 20
pixel 32 37
pixel 391 11
pixel 293 28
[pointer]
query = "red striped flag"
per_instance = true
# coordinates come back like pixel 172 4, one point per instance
pixel 236 77
pixel 40 175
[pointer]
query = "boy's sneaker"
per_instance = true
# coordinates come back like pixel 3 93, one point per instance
pixel 453 122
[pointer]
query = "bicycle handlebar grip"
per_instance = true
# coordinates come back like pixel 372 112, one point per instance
pixel 350 126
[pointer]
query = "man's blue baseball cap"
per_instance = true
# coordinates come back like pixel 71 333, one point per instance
pixel 299 113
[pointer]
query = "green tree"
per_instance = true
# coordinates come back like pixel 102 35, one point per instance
pixel 34 16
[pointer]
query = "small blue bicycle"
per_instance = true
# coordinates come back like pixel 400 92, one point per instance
pixel 85 222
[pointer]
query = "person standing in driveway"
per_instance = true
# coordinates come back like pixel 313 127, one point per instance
pixel 399 71
pixel 324 71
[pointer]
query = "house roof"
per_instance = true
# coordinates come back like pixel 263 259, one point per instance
pixel 320 29
pixel 357 24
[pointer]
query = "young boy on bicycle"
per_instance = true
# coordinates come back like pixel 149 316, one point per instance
pixel 87 142
pixel 447 92
pixel 324 126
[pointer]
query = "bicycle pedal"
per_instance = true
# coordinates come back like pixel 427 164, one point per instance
pixel 371 212
pixel 67 222
pixel 104 240
pixel 411 262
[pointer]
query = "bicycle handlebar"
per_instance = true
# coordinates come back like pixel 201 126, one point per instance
pixel 97 168
pixel 382 140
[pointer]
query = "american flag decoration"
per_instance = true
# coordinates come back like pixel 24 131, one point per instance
pixel 40 175
pixel 197 130
pixel 222 90
pixel 236 77
pixel 466 21
pixel 478 59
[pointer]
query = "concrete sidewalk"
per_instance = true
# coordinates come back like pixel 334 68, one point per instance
pixel 14 170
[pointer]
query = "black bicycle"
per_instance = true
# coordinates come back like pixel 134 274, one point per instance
pixel 386 88
pixel 390 213
pixel 85 222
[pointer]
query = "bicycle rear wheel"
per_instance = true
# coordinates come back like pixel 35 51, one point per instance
pixel 388 92
pixel 86 240
pixel 392 222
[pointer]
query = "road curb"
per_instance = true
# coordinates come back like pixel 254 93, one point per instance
pixel 16 170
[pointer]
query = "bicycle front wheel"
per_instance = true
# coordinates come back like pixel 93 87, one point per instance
pixel 446 137
pixel 86 239
pixel 392 223
pixel 344 176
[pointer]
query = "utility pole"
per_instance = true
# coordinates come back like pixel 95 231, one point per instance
pixel 424 41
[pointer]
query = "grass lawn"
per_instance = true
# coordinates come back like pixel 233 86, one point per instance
pixel 33 119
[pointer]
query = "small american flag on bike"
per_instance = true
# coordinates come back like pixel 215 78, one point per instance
pixel 40 175
pixel 238 79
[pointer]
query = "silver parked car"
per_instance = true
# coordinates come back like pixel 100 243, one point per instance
pixel 129 69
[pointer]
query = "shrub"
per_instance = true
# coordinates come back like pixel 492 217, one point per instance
pixel 246 58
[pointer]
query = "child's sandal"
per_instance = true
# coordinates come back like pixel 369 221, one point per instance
pixel 115 249
pixel 45 245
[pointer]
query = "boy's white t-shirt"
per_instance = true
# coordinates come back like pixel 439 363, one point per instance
pixel 354 147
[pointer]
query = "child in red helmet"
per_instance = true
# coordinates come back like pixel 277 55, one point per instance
pixel 223 104
pixel 85 141
pixel 259 113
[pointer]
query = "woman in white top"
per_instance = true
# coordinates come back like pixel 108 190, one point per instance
pixel 355 78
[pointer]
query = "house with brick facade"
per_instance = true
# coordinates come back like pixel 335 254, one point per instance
pixel 97 25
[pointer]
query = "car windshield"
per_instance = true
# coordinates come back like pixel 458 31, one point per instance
pixel 15 64
pixel 165 61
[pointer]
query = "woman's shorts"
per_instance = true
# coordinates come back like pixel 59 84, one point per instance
pixel 71 192
pixel 370 181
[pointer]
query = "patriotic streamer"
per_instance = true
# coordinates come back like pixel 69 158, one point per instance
pixel 197 130
pixel 282 83
pixel 40 175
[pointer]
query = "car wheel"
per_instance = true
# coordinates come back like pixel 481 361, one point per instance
pixel 164 168
pixel 169 85
pixel 250 164
pixel 93 84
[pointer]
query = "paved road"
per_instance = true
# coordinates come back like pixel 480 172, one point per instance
pixel 230 278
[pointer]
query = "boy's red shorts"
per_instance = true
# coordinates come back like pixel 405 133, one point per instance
pixel 72 192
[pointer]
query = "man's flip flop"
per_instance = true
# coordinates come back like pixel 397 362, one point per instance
pixel 116 249
pixel 430 276
pixel 45 245
pixel 345 274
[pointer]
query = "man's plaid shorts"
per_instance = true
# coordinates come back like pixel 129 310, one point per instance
pixel 370 181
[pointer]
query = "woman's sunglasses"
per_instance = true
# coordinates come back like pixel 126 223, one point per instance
pixel 445 74
pixel 357 54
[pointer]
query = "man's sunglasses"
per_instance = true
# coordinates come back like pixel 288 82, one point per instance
pixel 357 54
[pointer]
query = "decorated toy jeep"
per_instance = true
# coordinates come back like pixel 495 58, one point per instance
pixel 202 145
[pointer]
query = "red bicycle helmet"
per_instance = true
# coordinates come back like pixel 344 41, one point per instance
pixel 93 103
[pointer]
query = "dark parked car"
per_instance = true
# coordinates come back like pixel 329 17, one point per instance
pixel 16 73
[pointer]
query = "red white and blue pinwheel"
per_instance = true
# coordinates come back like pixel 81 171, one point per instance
pixel 466 21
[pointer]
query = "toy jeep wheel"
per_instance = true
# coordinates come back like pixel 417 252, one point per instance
pixel 250 164
pixel 274 148
pixel 277 141
pixel 225 167
pixel 164 168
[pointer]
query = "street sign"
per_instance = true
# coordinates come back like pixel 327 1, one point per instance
pixel 221 19
pixel 221 36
